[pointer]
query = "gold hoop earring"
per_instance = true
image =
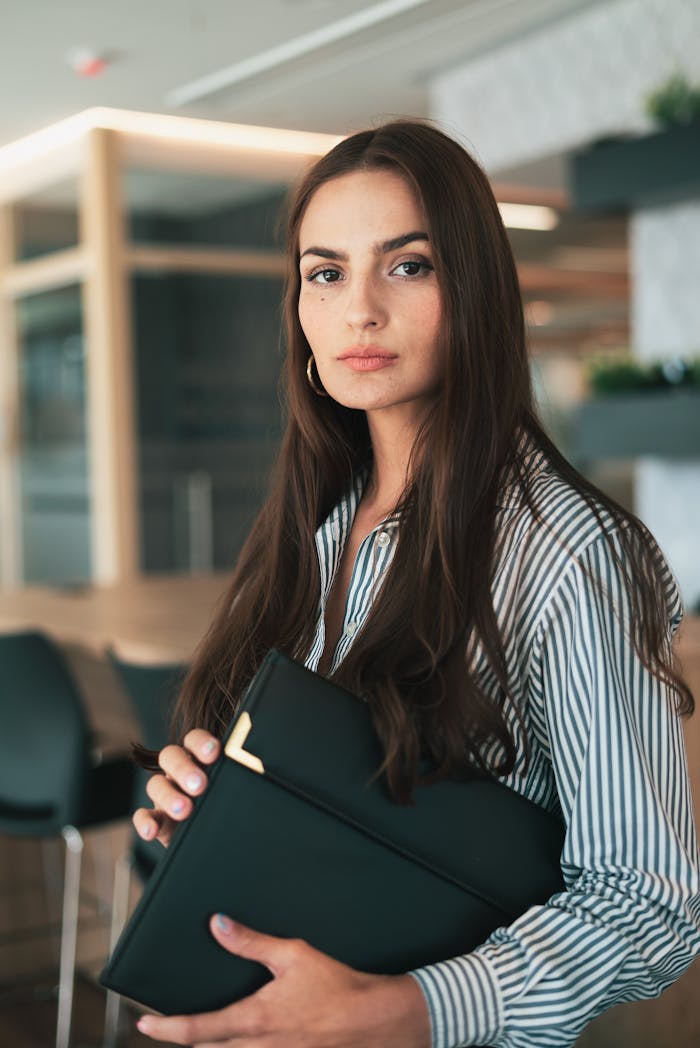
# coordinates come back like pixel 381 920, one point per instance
pixel 318 390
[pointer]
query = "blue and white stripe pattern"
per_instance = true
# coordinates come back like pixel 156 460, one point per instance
pixel 373 558
pixel 606 748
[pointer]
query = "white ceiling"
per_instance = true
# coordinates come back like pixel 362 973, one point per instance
pixel 159 46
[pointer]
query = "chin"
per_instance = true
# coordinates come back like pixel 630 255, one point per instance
pixel 358 402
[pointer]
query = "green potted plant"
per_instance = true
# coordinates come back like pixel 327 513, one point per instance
pixel 640 408
pixel 674 103
pixel 624 173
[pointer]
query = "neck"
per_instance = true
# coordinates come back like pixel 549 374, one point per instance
pixel 393 437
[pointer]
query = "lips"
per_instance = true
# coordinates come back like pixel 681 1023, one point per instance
pixel 368 359
pixel 367 353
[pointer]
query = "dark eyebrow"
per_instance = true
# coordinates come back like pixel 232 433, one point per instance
pixel 324 252
pixel 397 242
pixel 380 249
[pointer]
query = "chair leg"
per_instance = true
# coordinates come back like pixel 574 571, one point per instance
pixel 102 861
pixel 120 906
pixel 69 933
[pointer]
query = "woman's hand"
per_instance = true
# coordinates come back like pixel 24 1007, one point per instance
pixel 171 792
pixel 312 1002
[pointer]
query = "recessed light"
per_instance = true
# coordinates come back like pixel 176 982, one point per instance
pixel 528 216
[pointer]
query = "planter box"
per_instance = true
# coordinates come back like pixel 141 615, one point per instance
pixel 624 174
pixel 628 425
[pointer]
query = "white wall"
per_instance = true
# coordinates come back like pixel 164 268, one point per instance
pixel 582 78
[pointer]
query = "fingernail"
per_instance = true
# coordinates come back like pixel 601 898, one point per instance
pixel 147 830
pixel 224 923
pixel 144 1024
pixel 193 782
pixel 208 747
pixel 177 806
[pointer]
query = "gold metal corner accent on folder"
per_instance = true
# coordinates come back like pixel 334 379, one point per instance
pixel 234 746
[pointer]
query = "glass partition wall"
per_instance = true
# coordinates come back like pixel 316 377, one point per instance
pixel 206 360
pixel 52 453
pixel 208 416
pixel 140 287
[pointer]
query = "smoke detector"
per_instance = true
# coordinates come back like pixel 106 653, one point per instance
pixel 87 62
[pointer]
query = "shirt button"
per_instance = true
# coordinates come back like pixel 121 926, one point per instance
pixel 383 539
pixel 335 531
pixel 351 629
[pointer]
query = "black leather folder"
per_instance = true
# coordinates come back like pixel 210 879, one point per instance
pixel 295 836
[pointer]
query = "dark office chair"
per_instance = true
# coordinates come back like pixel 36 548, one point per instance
pixel 152 689
pixel 51 783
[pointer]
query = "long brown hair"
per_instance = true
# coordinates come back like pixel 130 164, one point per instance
pixel 411 659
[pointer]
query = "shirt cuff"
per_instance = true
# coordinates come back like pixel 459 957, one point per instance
pixel 464 1001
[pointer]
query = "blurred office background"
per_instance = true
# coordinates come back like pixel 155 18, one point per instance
pixel 141 270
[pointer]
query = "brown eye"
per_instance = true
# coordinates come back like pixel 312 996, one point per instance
pixel 328 276
pixel 412 267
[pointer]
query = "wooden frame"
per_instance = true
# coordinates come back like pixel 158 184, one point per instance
pixel 146 258
pixel 109 372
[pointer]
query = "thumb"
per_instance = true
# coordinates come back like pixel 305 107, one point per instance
pixel 245 942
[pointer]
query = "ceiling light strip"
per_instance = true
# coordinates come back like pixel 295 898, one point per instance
pixel 58 137
pixel 37 144
pixel 296 48
pixel 217 132
pixel 528 216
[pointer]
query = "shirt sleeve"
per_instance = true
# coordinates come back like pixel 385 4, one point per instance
pixel 627 924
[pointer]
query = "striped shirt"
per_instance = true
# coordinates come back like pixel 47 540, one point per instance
pixel 606 750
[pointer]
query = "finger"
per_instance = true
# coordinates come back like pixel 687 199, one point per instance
pixel 179 766
pixel 231 1023
pixel 203 745
pixel 152 825
pixel 226 1043
pixel 168 798
pixel 275 953
pixel 238 1042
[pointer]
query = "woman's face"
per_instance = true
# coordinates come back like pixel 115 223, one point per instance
pixel 369 303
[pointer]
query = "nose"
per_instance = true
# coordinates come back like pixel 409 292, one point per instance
pixel 365 308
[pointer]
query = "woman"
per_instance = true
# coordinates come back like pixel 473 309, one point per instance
pixel 427 546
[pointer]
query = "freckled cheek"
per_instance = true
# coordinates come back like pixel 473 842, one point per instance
pixel 306 320
pixel 432 323
pixel 314 321
pixel 434 317
pixel 433 309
